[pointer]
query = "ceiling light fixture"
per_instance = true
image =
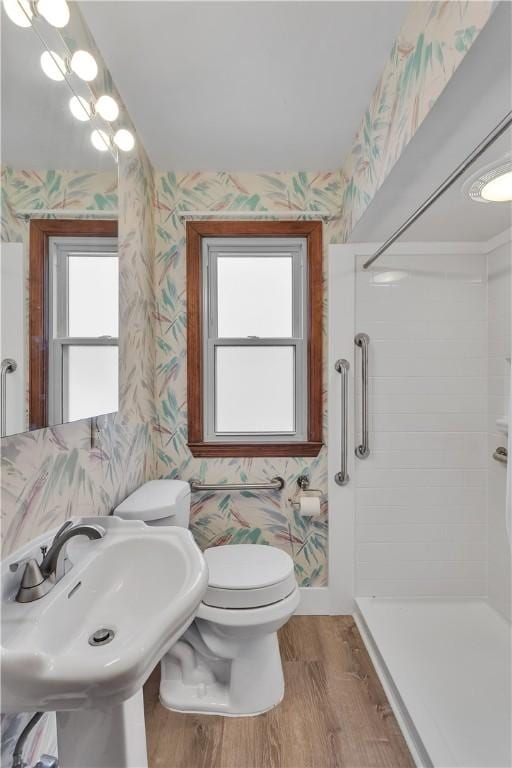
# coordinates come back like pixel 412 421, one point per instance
pixel 107 108
pixel 124 140
pixel 53 65
pixel 56 12
pixel 84 65
pixel 19 12
pixel 100 140
pixel 80 108
pixel 499 189
pixel 493 186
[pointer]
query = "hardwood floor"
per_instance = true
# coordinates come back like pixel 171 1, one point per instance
pixel 334 714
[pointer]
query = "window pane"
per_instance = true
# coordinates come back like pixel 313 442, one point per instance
pixel 93 296
pixel 254 296
pixel 92 383
pixel 254 389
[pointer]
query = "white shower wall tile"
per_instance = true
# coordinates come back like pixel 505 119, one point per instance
pixel 421 525
pixel 499 348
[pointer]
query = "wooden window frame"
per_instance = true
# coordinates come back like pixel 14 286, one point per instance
pixel 40 232
pixel 312 232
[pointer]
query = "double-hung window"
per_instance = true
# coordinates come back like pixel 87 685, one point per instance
pixel 256 346
pixel 82 327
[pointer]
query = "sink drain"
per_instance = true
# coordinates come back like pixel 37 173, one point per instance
pixel 101 636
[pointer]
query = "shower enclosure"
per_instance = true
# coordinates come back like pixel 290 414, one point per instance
pixel 419 410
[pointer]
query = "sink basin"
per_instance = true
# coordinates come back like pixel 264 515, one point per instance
pixel 142 583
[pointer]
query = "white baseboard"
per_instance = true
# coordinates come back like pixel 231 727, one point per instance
pixel 314 601
pixel 411 735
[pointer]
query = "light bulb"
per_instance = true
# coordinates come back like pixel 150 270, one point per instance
pixel 124 140
pixel 100 140
pixel 84 65
pixel 107 108
pixel 80 108
pixel 18 12
pixel 56 12
pixel 499 189
pixel 53 66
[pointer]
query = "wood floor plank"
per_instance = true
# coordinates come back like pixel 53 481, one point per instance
pixel 334 714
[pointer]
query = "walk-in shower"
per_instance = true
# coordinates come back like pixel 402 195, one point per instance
pixel 421 531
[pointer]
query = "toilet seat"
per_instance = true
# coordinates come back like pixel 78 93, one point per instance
pixel 248 576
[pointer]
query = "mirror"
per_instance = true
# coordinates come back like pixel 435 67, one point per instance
pixel 59 264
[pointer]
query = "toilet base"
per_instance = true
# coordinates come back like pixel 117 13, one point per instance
pixel 247 685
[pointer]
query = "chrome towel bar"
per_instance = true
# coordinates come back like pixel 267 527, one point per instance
pixel 363 340
pixel 501 454
pixel 276 484
pixel 343 366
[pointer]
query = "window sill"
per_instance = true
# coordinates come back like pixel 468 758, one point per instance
pixel 251 450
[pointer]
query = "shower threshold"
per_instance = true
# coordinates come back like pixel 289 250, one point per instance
pixel 445 665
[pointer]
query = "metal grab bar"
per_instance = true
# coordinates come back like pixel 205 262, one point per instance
pixel 8 365
pixel 343 366
pixel 363 340
pixel 501 454
pixel 276 484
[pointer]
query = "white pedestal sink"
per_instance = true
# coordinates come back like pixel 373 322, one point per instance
pixel 144 585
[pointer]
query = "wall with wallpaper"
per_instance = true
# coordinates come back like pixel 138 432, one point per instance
pixel 432 42
pixel 222 518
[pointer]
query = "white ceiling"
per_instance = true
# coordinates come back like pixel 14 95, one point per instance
pixel 245 85
pixel 477 97
pixel 38 130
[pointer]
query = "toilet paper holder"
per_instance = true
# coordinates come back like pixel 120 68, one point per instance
pixel 304 490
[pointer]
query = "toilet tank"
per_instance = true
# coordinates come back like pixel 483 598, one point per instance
pixel 158 502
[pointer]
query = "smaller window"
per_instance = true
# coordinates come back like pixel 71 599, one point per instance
pixel 254 340
pixel 82 327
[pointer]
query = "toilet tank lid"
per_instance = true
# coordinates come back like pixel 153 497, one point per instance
pixel 153 500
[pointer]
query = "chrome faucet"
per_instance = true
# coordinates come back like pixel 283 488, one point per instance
pixel 39 579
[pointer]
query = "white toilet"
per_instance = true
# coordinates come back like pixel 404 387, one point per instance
pixel 228 661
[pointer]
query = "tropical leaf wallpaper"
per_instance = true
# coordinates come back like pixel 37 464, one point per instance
pixel 25 190
pixel 232 517
pixel 432 42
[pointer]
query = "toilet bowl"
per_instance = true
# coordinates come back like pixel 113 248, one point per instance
pixel 227 662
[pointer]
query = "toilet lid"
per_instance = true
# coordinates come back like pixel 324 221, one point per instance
pixel 248 576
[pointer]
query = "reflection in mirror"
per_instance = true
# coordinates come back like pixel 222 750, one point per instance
pixel 59 265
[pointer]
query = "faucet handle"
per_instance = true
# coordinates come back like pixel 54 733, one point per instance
pixel 33 584
pixel 32 575
pixel 13 567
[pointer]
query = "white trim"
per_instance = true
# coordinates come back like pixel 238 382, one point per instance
pixel 66 213
pixel 435 247
pixel 314 601
pixel 405 722
pixel 341 306
pixel 230 214
pixel 502 239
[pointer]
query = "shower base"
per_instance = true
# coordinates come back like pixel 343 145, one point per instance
pixel 446 667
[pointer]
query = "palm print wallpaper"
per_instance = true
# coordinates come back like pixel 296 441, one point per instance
pixel 432 42
pixel 51 474
pixel 224 518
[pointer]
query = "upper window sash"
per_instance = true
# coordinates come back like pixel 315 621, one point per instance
pixel 293 248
